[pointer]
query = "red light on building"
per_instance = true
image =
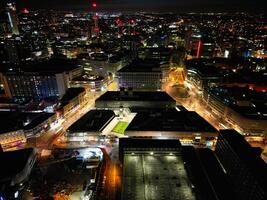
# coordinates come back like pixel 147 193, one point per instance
pixel 25 10
pixel 198 48
pixel 96 30
pixel 94 5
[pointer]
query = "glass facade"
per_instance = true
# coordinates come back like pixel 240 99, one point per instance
pixel 35 86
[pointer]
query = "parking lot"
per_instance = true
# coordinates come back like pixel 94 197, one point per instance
pixel 155 176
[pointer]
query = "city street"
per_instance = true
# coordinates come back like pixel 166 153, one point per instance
pixel 194 102
pixel 55 134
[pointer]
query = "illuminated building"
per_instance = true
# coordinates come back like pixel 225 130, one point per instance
pixel 71 100
pixel 244 109
pixel 10 139
pixel 206 49
pixel 12 18
pixel 141 75
pixel 44 79
pixel 164 169
pixel 153 169
pixel 202 76
pixel 159 53
pixel 95 28
pixel 94 64
pixel 16 127
pixel 90 83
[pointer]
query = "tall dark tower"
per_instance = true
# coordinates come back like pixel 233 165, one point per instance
pixel 12 18
pixel 95 28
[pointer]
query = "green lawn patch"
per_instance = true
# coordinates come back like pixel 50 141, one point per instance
pixel 120 127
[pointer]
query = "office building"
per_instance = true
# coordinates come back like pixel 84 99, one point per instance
pixel 71 101
pixel 16 127
pixel 89 82
pixel 13 21
pixel 243 108
pixel 41 80
pixel 202 76
pixel 141 75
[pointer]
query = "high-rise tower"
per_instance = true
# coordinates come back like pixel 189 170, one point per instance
pixel 95 28
pixel 12 18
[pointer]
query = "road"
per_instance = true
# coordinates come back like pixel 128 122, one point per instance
pixel 55 134
pixel 111 179
pixel 194 102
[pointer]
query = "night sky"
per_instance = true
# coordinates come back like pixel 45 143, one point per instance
pixel 153 5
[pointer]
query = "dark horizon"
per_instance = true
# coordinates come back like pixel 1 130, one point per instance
pixel 258 6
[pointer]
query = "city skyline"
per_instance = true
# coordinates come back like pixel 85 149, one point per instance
pixel 133 105
pixel 148 5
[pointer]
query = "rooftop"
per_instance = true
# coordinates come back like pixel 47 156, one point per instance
pixel 51 66
pixel 160 175
pixel 148 143
pixel 206 174
pixel 249 103
pixel 148 65
pixel 182 121
pixel 215 174
pixel 13 162
pixel 135 96
pixel 10 121
pixel 94 120
pixel 246 154
pixel 13 120
pixel 70 94
pixel 203 70
pixel 38 120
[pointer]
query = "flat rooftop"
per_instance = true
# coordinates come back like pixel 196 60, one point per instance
pixel 38 120
pixel 13 162
pixel 94 120
pixel 12 120
pixel 51 66
pixel 182 121
pixel 205 71
pixel 135 96
pixel 159 176
pixel 246 154
pixel 70 94
pixel 207 175
pixel 148 65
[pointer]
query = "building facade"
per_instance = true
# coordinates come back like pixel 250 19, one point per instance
pixel 141 75
pixel 12 138
pixel 37 85
pixel 245 125
pixel 247 170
